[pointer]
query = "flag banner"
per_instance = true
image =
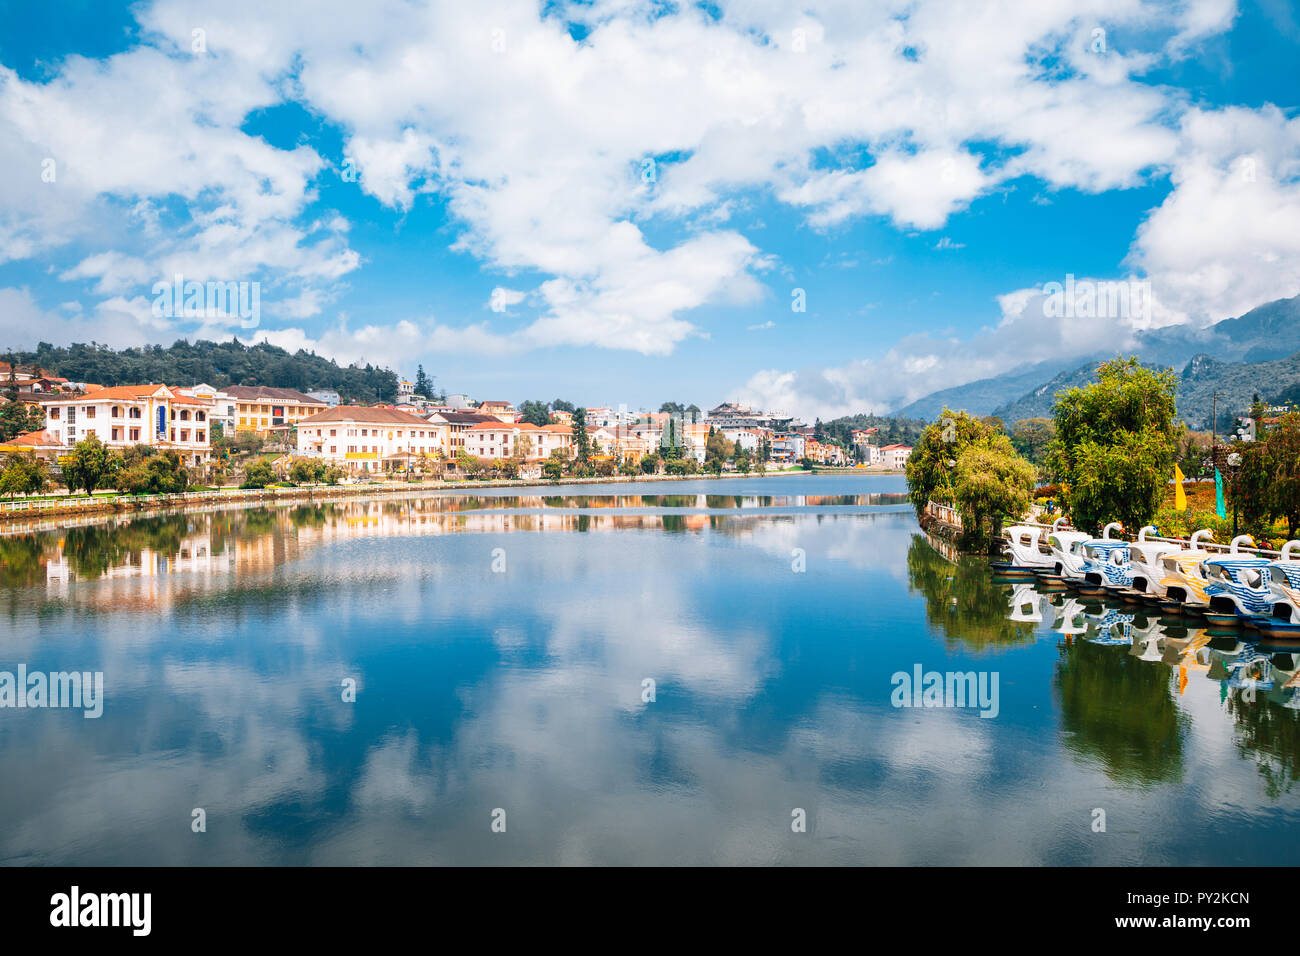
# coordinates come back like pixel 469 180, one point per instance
pixel 1180 496
pixel 1219 507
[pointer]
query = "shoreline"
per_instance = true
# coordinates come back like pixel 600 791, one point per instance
pixel 125 504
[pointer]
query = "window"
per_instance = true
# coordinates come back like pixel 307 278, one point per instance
pixel 90 411
pixel 334 432
pixel 334 449
pixel 185 434
pixel 185 414
pixel 173 434
pixel 54 412
pixel 117 434
pixel 200 416
pixel 135 434
pixel 117 411
pixel 200 435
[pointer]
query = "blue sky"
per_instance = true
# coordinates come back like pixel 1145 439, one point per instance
pixel 919 170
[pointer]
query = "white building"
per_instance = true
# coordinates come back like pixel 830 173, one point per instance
pixel 223 404
pixel 895 456
pixel 507 439
pixel 127 415
pixel 360 438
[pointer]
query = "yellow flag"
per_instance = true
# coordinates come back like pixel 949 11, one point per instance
pixel 1180 496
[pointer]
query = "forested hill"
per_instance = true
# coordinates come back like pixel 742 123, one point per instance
pixel 216 363
pixel 892 429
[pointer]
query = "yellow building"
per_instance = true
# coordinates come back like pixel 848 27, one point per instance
pixel 260 409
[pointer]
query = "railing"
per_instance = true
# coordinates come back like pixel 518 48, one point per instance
pixel 945 513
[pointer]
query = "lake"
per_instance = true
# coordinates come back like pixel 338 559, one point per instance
pixel 696 672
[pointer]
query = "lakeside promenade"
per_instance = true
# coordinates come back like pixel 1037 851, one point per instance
pixel 20 510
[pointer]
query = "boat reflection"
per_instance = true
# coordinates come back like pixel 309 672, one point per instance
pixel 1138 689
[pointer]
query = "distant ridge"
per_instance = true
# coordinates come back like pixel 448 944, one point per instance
pixel 1237 383
pixel 1262 342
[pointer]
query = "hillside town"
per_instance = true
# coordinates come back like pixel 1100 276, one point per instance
pixel 205 429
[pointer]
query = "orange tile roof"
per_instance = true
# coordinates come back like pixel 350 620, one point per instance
pixel 35 439
pixel 366 414
pixel 128 393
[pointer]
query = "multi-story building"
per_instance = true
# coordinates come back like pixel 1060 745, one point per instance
pixel 451 428
pixel 223 405
pixel 736 415
pixel 895 456
pixel 516 439
pixel 787 446
pixel 326 395
pixel 749 440
pixel 502 411
pixel 261 409
pixel 362 438
pixel 126 415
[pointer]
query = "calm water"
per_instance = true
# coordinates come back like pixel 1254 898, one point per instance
pixel 500 644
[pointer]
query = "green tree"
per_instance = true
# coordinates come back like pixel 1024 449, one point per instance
pixel 535 413
pixel 24 474
pixel 932 465
pixel 650 464
pixel 992 482
pixel 307 471
pixel 258 474
pixel 581 444
pixel 423 384
pixel 1283 462
pixel 1114 448
pixel 91 465
pixel 1032 437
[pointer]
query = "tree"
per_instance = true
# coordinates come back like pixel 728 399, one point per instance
pixel 1283 445
pixel 560 405
pixel 423 384
pixel 650 464
pixel 718 448
pixel 17 418
pixel 146 472
pixel 581 444
pixel 307 471
pixel 91 465
pixel 1031 437
pixel 934 457
pixel 24 474
pixel 535 413
pixel 1114 448
pixel 991 482
pixel 258 474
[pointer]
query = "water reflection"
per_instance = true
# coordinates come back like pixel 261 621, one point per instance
pixel 1121 673
pixel 771 638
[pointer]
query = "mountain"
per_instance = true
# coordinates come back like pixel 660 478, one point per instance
pixel 981 397
pixel 1268 333
pixel 1235 383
